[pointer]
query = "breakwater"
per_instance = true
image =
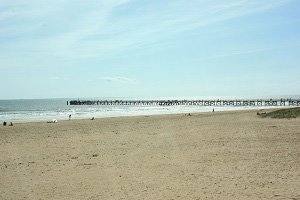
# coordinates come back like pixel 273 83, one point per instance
pixel 218 102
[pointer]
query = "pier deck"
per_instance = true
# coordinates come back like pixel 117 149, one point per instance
pixel 218 102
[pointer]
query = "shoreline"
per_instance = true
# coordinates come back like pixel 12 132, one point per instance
pixel 89 116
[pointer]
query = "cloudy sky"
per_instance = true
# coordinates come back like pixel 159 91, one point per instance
pixel 142 48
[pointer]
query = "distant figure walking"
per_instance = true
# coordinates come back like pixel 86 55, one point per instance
pixel 70 117
pixel 4 123
pixel 11 124
pixel 213 110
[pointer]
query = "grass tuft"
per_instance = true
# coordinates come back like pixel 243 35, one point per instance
pixel 284 113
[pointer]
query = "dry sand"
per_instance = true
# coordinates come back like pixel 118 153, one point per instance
pixel 226 155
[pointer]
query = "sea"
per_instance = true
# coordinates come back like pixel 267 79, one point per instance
pixel 28 110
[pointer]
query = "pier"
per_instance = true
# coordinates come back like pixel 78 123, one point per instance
pixel 218 102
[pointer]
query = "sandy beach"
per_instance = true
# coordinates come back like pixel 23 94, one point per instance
pixel 221 155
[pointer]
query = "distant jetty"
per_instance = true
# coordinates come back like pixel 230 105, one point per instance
pixel 218 102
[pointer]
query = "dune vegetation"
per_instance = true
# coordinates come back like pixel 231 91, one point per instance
pixel 284 113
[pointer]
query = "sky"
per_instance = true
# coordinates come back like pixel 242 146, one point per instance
pixel 149 49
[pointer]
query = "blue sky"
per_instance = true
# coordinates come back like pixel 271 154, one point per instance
pixel 139 48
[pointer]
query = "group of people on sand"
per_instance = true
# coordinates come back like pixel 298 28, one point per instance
pixel 51 121
pixel 5 123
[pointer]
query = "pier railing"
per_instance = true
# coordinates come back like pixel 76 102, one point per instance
pixel 218 102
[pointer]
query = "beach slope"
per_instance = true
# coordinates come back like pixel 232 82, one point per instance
pixel 221 155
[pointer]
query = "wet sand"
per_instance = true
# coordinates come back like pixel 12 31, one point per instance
pixel 221 155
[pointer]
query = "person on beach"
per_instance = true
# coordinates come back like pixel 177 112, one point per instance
pixel 213 110
pixel 11 124
pixel 70 117
pixel 4 123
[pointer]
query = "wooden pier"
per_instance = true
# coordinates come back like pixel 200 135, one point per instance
pixel 218 102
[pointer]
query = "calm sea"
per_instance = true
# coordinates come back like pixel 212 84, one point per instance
pixel 48 109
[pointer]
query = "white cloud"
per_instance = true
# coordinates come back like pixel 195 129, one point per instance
pixel 119 79
pixel 248 51
pixel 80 29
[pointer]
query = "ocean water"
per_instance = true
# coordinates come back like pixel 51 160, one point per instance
pixel 48 109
